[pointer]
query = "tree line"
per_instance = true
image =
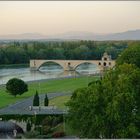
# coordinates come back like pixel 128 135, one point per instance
pixel 21 52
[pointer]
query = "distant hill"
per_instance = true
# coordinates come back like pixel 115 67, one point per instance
pixel 22 36
pixel 128 35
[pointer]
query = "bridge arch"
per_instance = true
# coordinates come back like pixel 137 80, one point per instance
pixel 76 66
pixel 50 61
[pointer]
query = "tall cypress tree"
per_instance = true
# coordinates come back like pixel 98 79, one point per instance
pixel 46 100
pixel 36 99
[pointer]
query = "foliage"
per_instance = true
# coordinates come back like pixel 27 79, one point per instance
pixel 22 52
pixel 16 86
pixel 47 129
pixel 46 100
pixel 58 134
pixel 18 136
pixel 111 108
pixel 50 122
pixel 28 126
pixel 36 99
pixel 131 55
pixel 31 134
pixel 44 136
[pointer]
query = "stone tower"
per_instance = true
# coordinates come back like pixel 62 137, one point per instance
pixel 106 57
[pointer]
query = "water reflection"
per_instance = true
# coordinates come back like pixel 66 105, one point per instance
pixel 45 72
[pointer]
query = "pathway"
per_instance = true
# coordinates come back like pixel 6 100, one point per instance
pixel 22 107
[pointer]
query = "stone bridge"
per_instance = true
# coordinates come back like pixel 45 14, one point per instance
pixel 67 65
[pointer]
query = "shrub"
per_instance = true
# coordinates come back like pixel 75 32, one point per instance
pixel 58 134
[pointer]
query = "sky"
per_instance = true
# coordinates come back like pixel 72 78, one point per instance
pixel 54 17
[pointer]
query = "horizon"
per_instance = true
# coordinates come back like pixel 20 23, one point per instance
pixel 35 33
pixel 58 17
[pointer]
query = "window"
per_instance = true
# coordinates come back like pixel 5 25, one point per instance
pixel 104 63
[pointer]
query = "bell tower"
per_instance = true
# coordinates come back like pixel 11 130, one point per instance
pixel 106 57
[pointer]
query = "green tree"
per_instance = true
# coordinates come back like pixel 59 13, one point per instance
pixel 16 86
pixel 111 107
pixel 46 100
pixel 131 55
pixel 36 99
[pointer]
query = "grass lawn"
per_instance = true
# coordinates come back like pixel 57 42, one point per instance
pixel 59 85
pixel 59 101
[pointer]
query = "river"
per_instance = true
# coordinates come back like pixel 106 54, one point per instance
pixel 45 72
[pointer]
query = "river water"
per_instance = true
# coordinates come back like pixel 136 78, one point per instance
pixel 45 72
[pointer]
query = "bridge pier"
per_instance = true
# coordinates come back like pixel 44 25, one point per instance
pixel 33 68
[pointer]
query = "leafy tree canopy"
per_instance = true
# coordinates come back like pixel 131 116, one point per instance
pixel 16 86
pixel 109 108
pixel 131 55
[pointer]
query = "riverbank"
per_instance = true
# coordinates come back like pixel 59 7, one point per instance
pixel 63 85
pixel 14 66
pixel 45 80
pixel 51 79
